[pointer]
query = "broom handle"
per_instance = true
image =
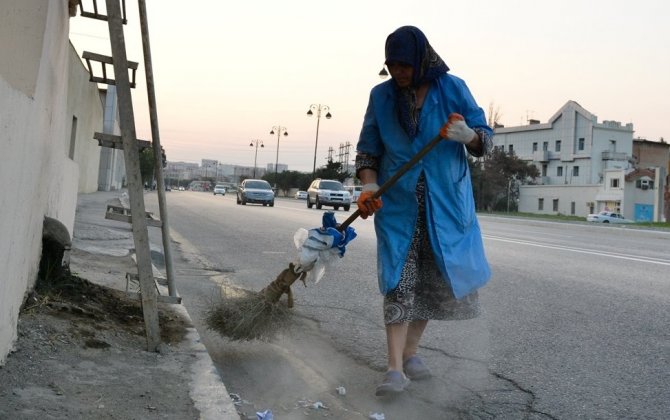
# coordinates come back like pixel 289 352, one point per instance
pixel 389 183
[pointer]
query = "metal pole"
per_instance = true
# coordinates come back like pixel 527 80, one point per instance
pixel 255 159
pixel 316 142
pixel 162 204
pixel 509 186
pixel 277 156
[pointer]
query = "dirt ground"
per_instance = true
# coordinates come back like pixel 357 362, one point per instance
pixel 81 354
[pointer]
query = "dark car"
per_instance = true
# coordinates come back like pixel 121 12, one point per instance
pixel 256 191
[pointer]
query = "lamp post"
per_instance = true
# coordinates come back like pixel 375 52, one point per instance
pixel 279 130
pixel 256 143
pixel 318 108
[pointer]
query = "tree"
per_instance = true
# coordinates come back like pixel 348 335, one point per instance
pixel 496 179
pixel 147 165
pixel 333 170
pixel 494 116
pixel 289 179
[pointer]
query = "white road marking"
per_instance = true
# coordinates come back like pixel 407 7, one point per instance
pixel 582 250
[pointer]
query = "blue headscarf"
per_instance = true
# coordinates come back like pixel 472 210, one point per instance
pixel 409 45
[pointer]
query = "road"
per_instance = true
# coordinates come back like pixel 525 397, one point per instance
pixel 575 321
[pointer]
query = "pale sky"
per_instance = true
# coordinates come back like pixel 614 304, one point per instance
pixel 227 72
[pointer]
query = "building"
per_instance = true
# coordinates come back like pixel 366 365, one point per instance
pixel 50 111
pixel 655 154
pixel 181 171
pixel 585 166
pixel 281 167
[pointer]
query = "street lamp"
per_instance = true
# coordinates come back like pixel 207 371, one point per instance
pixel 279 129
pixel 318 108
pixel 252 144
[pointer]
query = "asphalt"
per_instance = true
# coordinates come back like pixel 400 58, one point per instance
pixel 95 234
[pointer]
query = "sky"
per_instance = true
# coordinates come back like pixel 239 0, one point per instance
pixel 226 73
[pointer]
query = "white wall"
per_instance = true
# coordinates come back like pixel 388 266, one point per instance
pixel 85 103
pixel 38 177
pixel 529 196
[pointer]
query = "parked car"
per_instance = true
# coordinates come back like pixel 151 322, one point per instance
pixel 301 195
pixel 328 192
pixel 255 191
pixel 354 191
pixel 220 189
pixel 181 188
pixel 608 217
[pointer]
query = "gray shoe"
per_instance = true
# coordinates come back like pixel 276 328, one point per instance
pixel 394 383
pixel 415 369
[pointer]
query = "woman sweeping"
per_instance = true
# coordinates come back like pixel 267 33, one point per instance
pixel 430 255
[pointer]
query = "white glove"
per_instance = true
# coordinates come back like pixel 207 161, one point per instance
pixel 370 187
pixel 457 130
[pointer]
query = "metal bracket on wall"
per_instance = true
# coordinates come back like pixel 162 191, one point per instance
pixel 105 60
pixel 95 14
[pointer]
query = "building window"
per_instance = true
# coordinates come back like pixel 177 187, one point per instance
pixel 544 169
pixel 540 203
pixel 614 183
pixel 558 145
pixel 559 171
pixel 73 137
pixel 575 171
pixel 545 146
pixel 580 143
pixel 555 204
pixel 612 145
pixel 510 149
pixel 644 184
pixel 534 146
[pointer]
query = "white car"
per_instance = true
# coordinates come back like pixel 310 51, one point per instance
pixel 608 217
pixel 328 192
pixel 220 189
pixel 301 195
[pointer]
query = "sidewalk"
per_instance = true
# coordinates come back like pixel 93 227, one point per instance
pixel 83 354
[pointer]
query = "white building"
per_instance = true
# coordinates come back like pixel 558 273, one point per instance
pixel 49 113
pixel 281 167
pixel 583 165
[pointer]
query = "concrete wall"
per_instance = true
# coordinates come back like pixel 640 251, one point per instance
pixel 39 178
pixel 112 173
pixel 581 195
pixel 85 106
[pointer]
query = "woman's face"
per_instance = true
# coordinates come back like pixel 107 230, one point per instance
pixel 402 73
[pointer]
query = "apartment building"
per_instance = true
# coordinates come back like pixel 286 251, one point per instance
pixel 585 166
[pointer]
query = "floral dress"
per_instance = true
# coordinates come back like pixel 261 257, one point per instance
pixel 423 293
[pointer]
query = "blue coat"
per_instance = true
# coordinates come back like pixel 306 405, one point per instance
pixel 453 229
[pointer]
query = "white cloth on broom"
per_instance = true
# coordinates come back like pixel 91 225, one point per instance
pixel 319 247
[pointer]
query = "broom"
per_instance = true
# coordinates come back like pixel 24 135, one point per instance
pixel 245 315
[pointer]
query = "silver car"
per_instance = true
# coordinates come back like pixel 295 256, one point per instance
pixel 608 217
pixel 256 191
pixel 328 192
pixel 220 189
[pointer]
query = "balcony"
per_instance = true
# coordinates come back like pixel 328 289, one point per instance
pixel 609 155
pixel 541 156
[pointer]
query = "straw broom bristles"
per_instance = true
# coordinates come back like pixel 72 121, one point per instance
pixel 245 315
